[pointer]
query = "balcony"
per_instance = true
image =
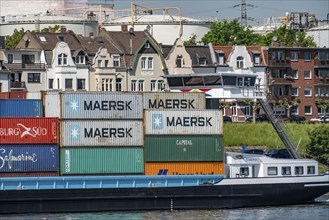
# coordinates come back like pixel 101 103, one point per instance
pixel 281 81
pixel 279 63
pixel 320 63
pixel 321 81
pixel 17 85
pixel 31 66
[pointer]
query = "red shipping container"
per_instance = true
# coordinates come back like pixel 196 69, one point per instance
pixel 29 131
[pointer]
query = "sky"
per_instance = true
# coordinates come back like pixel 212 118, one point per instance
pixel 257 10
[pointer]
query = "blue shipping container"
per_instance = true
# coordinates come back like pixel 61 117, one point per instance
pixel 29 158
pixel 21 108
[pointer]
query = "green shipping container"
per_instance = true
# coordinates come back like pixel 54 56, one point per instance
pixel 102 161
pixel 184 148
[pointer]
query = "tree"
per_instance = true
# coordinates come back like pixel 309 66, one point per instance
pixel 288 37
pixel 318 147
pixel 255 107
pixel 192 41
pixel 13 40
pixel 230 33
pixel 288 105
pixel 51 29
pixel 323 103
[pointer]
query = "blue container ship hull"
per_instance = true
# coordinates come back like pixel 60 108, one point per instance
pixel 226 193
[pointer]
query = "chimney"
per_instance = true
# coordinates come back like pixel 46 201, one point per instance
pixel 124 28
pixel 63 30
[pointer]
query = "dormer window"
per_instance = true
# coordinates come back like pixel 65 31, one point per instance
pixel 220 58
pixel 62 59
pixel 179 61
pixel 61 38
pixel 42 39
pixel 116 60
pixel 240 62
pixel 257 59
pixel 80 59
pixel 202 61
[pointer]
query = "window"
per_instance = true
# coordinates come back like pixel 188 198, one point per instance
pixel 278 55
pixel 202 61
pixel 220 58
pixel 307 56
pixel 278 110
pixel 179 61
pixel 50 83
pixel 28 59
pixel 286 171
pixel 107 85
pixel 310 169
pixel 80 59
pixel 10 58
pixel 143 63
pixel 299 170
pixel 116 60
pixel 294 110
pixel 81 84
pixel 61 38
pixel 239 81
pixel 147 45
pixel 294 91
pixel 294 56
pixel 33 77
pixel 294 74
pixel 62 59
pixel 307 92
pixel 42 39
pixel 257 59
pixel 68 83
pixel 141 85
pixel 99 63
pixel 133 85
pixel 153 84
pixel 118 84
pixel 272 171
pixel 244 171
pixel 323 55
pixel 160 85
pixel 150 63
pixel 307 74
pixel 239 62
pixel 278 73
pixel 106 63
pixel 308 110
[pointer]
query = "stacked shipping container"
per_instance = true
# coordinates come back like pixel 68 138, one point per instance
pixel 102 133
pixel 181 136
pixel 28 142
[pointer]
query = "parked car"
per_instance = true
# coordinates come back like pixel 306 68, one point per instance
pixel 259 118
pixel 227 118
pixel 253 151
pixel 279 153
pixel 297 119
pixel 320 119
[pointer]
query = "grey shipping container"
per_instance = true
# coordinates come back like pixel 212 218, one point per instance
pixel 21 108
pixel 174 100
pixel 101 105
pixel 189 122
pixel 184 148
pixel 29 158
pixel 95 161
pixel 102 133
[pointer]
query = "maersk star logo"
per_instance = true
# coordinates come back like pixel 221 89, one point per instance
pixel 74 105
pixel 157 122
pixel 74 133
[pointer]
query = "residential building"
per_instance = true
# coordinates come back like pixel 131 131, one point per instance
pixel 297 77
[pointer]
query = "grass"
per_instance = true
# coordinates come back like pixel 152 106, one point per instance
pixel 263 134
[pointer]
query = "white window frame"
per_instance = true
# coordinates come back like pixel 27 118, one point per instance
pixel 143 63
pixel 292 112
pixel 310 74
pixel 257 59
pixel 153 85
pixel 179 61
pixel 62 59
pixel 116 60
pixel 310 108
pixel 66 86
pixel 150 63
pixel 80 59
pixel 294 57
pixel 292 88
pixel 141 85
pixel 294 74
pixel 133 85
pixel 308 89
pixel 240 62
pixel 160 84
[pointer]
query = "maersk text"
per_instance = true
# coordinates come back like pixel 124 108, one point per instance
pixel 189 121
pixel 107 105
pixel 108 132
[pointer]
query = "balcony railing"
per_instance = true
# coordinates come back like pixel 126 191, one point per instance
pixel 279 63
pixel 16 66
pixel 318 63
pixel 17 85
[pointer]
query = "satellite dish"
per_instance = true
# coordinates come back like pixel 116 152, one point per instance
pixel 275 38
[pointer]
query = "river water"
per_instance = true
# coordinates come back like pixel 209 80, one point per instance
pixel 314 211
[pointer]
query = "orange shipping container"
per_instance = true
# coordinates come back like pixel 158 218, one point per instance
pixel 174 168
